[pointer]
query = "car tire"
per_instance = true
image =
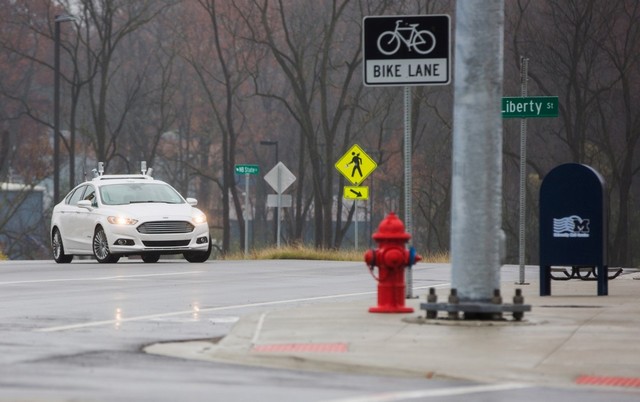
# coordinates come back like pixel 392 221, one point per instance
pixel 198 256
pixel 101 247
pixel 151 258
pixel 58 248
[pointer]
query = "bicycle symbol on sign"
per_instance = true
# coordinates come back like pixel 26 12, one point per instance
pixel 422 42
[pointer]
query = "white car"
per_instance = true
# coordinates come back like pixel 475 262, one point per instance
pixel 119 215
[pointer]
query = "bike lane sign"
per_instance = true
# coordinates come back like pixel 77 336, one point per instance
pixel 407 50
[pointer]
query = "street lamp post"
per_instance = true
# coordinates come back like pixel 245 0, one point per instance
pixel 275 214
pixel 56 106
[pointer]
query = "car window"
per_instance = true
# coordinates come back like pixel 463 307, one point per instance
pixel 133 193
pixel 73 198
pixel 90 195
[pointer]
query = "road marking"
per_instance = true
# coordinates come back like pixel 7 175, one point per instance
pixel 609 381
pixel 103 278
pixel 336 347
pixel 434 393
pixel 256 334
pixel 211 309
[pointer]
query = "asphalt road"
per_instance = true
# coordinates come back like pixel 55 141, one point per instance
pixel 76 332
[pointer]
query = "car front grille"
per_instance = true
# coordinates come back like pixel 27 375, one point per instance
pixel 166 243
pixel 166 227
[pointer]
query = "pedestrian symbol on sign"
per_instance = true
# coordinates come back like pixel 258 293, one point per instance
pixel 355 161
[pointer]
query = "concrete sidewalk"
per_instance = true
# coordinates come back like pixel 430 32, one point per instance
pixel 571 337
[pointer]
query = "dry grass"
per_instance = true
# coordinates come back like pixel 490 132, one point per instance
pixel 3 257
pixel 305 253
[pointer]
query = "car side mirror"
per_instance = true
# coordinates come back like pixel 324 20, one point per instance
pixel 84 204
pixel 192 201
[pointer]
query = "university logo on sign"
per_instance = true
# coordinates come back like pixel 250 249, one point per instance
pixel 571 226
pixel 407 50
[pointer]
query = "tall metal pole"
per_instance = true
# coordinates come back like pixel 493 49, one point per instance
pixel 56 105
pixel 477 150
pixel 246 215
pixel 279 204
pixel 355 205
pixel 56 112
pixel 279 200
pixel 524 68
pixel 275 227
pixel 408 222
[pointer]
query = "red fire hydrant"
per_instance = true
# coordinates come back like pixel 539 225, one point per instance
pixel 391 257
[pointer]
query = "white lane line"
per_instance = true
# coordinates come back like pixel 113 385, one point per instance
pixel 434 393
pixel 256 334
pixel 208 310
pixel 103 278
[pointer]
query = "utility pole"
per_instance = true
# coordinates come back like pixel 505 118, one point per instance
pixel 477 150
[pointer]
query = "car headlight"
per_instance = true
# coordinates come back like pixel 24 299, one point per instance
pixel 121 220
pixel 200 218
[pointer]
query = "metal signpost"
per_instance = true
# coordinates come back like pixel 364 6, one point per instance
pixel 407 50
pixel 524 107
pixel 279 178
pixel 246 170
pixel 355 165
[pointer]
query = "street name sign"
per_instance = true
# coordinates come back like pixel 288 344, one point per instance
pixel 247 169
pixel 355 165
pixel 356 192
pixel 406 50
pixel 529 106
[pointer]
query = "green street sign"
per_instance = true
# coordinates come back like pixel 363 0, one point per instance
pixel 247 169
pixel 529 106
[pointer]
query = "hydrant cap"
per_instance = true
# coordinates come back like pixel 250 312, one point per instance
pixel 391 228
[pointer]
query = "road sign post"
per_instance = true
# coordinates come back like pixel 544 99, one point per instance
pixel 355 165
pixel 279 178
pixel 246 170
pixel 407 50
pixel 524 107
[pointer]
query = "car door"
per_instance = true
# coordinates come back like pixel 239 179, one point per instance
pixel 69 220
pixel 86 219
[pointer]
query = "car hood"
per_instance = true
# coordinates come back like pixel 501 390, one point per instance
pixel 153 211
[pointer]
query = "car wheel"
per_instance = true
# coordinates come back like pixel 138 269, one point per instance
pixel 101 247
pixel 150 258
pixel 58 249
pixel 198 256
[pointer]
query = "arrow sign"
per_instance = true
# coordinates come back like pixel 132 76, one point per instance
pixel 356 192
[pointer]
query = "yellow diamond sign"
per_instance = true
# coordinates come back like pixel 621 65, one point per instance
pixel 355 165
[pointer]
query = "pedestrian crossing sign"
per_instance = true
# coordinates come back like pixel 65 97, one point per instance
pixel 355 165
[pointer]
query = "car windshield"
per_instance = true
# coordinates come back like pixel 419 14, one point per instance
pixel 139 193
